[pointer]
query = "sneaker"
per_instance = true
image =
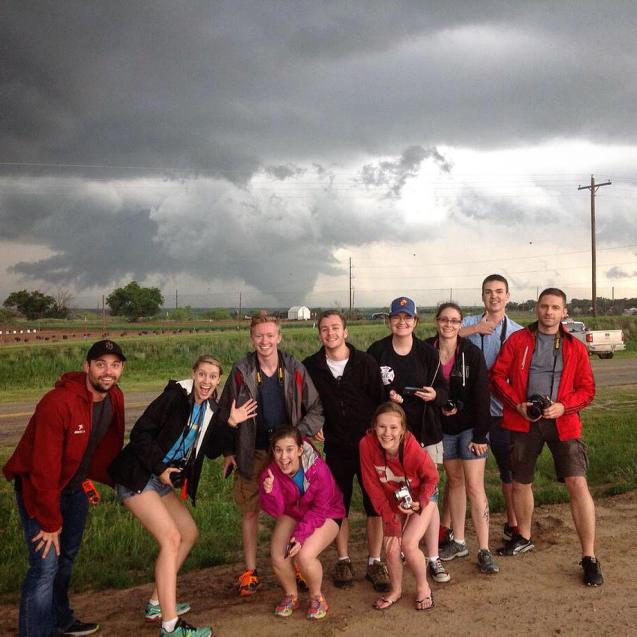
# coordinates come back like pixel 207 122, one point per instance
pixel 592 571
pixel 301 584
pixel 153 611
pixel 508 532
pixel 78 628
pixel 453 549
pixel 445 538
pixel 379 577
pixel 286 606
pixel 516 545
pixel 317 609
pixel 486 563
pixel 248 583
pixel 182 629
pixel 437 571
pixel 343 573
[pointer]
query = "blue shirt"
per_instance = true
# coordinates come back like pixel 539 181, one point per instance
pixel 299 480
pixel 182 445
pixel 490 346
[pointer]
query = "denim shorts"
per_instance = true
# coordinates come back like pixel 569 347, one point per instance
pixel 456 446
pixel 153 484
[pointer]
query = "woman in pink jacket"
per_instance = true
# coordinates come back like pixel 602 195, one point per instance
pixel 298 489
pixel 401 479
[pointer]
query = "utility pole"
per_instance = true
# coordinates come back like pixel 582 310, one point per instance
pixel 350 287
pixel 593 188
pixel 239 315
pixel 176 299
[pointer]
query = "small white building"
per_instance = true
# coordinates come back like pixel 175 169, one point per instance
pixel 299 313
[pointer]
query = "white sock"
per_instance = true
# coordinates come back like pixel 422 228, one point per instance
pixel 433 558
pixel 460 541
pixel 169 626
pixel 342 559
pixel 154 602
pixel 371 560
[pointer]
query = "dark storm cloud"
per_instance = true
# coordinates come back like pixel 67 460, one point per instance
pixel 618 273
pixel 392 175
pixel 199 92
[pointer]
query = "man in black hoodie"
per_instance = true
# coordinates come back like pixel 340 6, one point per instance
pixel 350 387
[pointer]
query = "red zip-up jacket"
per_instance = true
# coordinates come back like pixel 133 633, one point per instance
pixel 383 475
pixel 53 445
pixel 510 378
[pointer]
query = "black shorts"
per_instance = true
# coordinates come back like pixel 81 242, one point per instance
pixel 344 465
pixel 569 456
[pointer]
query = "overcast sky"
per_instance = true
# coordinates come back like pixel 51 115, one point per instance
pixel 255 147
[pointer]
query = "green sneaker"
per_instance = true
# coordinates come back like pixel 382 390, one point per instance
pixel 182 629
pixel 153 611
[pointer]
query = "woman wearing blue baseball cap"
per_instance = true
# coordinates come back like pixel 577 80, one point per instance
pixel 410 369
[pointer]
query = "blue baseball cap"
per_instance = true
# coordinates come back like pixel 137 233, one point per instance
pixel 403 305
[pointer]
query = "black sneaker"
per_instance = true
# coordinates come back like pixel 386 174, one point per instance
pixel 508 532
pixel 78 628
pixel 516 545
pixel 486 563
pixel 592 571
pixel 447 538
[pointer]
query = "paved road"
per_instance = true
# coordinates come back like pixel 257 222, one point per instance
pixel 15 415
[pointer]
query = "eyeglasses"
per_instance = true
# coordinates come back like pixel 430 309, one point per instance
pixel 398 318
pixel 448 321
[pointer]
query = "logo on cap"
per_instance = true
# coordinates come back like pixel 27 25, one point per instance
pixel 108 345
pixel 403 301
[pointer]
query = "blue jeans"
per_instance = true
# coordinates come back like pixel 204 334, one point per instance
pixel 44 604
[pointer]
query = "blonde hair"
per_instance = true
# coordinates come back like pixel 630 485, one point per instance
pixel 264 317
pixel 390 408
pixel 210 360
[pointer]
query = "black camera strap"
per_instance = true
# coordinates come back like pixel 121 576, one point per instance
pixel 503 333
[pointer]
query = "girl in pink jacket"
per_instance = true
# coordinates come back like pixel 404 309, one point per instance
pixel 401 479
pixel 298 489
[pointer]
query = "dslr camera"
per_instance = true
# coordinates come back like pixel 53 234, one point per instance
pixel 178 477
pixel 537 406
pixel 451 404
pixel 403 496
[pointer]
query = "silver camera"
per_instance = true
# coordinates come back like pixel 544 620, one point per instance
pixel 403 496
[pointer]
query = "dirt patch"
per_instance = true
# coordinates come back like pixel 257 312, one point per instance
pixel 538 593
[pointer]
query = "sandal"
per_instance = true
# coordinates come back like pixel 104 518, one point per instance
pixel 383 603
pixel 426 603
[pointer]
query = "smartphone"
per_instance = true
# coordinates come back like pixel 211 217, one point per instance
pixel 410 391
pixel 288 549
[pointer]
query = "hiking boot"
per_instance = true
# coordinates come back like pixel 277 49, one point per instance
pixel 182 629
pixel 248 583
pixel 343 573
pixel 379 577
pixel 301 584
pixel 153 611
pixel 508 532
pixel 78 628
pixel 318 608
pixel 486 563
pixel 592 571
pixel 445 538
pixel 437 571
pixel 452 550
pixel 516 545
pixel 286 606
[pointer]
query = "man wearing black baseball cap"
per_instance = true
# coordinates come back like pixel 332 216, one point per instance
pixel 76 431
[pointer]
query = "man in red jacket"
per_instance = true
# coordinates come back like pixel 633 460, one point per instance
pixel 75 433
pixel 544 378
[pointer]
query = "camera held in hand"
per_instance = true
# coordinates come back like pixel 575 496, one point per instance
pixel 178 477
pixel 454 404
pixel 404 498
pixel 537 406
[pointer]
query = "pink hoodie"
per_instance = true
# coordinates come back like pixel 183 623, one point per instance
pixel 322 498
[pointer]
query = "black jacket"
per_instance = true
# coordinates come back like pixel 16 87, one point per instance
pixel 349 402
pixel 423 418
pixel 154 434
pixel 468 383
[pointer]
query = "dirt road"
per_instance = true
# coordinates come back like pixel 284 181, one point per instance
pixel 538 593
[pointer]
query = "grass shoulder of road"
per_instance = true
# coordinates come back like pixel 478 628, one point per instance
pixel 117 552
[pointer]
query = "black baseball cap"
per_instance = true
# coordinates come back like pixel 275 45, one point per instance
pixel 104 347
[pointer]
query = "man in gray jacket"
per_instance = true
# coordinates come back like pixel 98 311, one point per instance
pixel 265 390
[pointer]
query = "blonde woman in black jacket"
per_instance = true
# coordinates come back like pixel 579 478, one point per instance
pixel 465 424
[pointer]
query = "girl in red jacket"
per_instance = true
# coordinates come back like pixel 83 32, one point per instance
pixel 401 479
pixel 298 489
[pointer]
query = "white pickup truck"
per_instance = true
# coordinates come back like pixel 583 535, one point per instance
pixel 603 343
